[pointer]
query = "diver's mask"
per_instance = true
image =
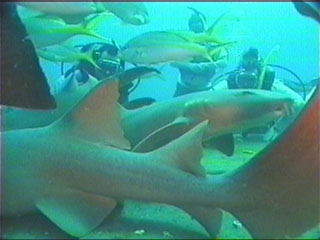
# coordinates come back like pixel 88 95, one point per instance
pixel 106 58
pixel 247 79
pixel 109 65
pixel 250 64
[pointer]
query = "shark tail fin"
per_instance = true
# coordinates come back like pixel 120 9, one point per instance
pixel 90 24
pixel 97 118
pixel 280 186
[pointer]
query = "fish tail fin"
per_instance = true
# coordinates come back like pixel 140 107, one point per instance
pixel 208 56
pixel 227 26
pixel 89 58
pixel 85 56
pixel 90 24
pixel 213 27
pixel 214 51
pixel 268 60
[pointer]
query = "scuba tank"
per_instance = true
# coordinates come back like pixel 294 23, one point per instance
pixel 197 22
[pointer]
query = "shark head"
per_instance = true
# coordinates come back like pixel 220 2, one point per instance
pixel 238 110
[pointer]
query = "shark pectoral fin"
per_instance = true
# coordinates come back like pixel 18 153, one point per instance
pixel 76 213
pixel 164 135
pixel 209 218
pixel 224 144
pixel 97 117
pixel 186 151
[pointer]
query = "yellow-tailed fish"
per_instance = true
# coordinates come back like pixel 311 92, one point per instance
pixel 196 37
pixel 62 53
pixel 46 31
pixel 228 26
pixel 267 61
pixel 129 12
pixel 62 8
pixel 160 47
pixel 70 12
pixel 215 33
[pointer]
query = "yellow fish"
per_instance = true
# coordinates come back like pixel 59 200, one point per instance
pixel 46 31
pixel 129 12
pixel 63 53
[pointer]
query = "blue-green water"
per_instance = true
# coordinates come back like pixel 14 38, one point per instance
pixel 263 25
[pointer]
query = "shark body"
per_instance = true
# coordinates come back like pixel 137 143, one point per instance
pixel 283 180
pixel 72 172
pixel 35 119
pixel 227 111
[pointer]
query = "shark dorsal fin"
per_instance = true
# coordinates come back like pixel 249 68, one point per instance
pixel 96 118
pixel 185 151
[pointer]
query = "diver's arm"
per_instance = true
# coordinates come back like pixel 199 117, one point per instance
pixel 223 85
pixel 202 67
pixel 219 62
pixel 197 68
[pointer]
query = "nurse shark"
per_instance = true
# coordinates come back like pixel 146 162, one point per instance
pixel 75 171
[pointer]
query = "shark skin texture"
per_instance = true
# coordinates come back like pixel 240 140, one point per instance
pixel 282 182
pixel 228 111
pixel 76 170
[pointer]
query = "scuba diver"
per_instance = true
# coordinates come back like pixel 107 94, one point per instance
pixel 197 74
pixel 247 76
pixel 105 56
pixel 249 71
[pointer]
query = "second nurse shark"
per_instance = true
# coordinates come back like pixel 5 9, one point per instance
pixel 153 126
pixel 74 172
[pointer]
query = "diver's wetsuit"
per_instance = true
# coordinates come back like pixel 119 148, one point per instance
pixel 266 84
pixel 108 68
pixel 196 76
